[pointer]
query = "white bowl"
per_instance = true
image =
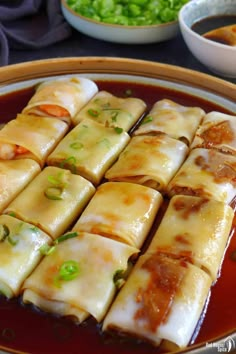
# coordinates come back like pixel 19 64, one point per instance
pixel 119 33
pixel 219 58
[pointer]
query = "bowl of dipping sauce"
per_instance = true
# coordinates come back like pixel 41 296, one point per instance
pixel 209 30
pixel 127 21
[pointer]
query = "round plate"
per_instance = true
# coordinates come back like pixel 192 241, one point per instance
pixel 217 91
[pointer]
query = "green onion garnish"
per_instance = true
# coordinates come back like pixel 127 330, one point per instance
pixel 54 193
pixel 118 130
pixel 147 119
pixel 113 110
pixel 129 12
pixel 118 278
pixel 65 237
pixel 58 183
pixel 54 180
pixel 4 232
pixel 13 239
pixel 93 112
pixel 71 161
pixel 76 145
pixel 46 249
pixel 114 116
pixel 69 270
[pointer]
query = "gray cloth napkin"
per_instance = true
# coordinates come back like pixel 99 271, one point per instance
pixel 30 24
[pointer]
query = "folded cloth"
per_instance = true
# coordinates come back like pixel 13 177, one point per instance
pixel 30 24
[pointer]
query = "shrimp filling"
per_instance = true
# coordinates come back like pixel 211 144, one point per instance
pixel 54 110
pixel 10 151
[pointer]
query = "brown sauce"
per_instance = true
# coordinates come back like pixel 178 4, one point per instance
pixel 221 29
pixel 157 298
pixel 218 134
pixel 25 329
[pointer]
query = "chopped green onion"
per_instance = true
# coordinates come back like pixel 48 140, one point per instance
pixel 130 13
pixel 71 161
pixel 4 232
pixel 54 180
pixel 114 116
pixel 13 239
pixel 118 278
pixel 71 158
pixel 108 108
pixel 53 193
pixel 93 112
pixel 76 145
pixel 69 270
pixel 115 112
pixel 118 130
pixel 66 237
pixel 58 181
pixel 46 249
pixel 147 119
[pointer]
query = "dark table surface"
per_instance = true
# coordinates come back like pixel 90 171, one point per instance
pixel 173 52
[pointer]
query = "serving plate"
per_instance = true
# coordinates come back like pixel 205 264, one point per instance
pixel 25 331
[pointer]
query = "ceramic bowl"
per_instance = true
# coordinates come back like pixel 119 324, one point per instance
pixel 119 33
pixel 219 58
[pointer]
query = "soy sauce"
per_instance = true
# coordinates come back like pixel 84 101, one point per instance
pixel 214 22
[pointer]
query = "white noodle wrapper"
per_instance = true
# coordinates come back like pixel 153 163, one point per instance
pixel 172 312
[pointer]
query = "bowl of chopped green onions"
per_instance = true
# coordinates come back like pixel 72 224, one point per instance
pixel 124 21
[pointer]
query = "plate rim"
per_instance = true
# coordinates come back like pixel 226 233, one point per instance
pixel 68 65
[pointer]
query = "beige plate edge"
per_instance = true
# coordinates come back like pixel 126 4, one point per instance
pixel 71 65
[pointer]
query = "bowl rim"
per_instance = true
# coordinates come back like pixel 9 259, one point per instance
pixel 183 24
pixel 115 26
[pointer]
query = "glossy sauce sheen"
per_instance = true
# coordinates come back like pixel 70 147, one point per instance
pixel 24 329
pixel 214 22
